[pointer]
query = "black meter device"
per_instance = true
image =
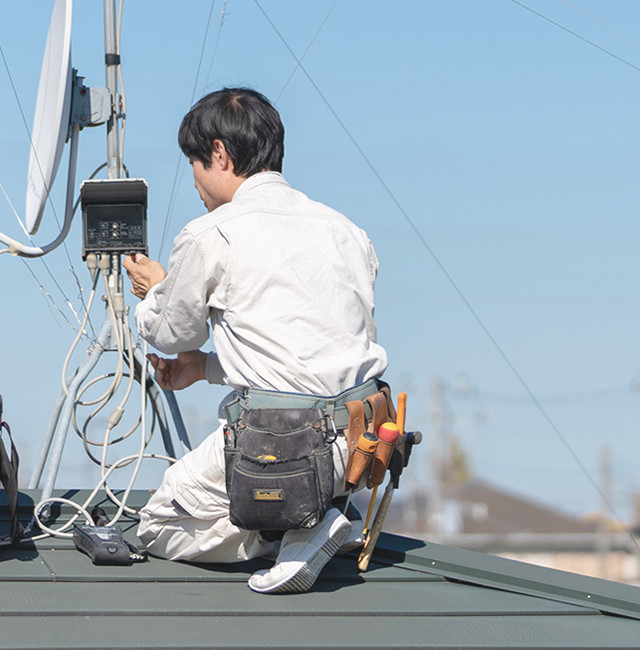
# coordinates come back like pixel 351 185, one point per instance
pixel 114 216
pixel 106 545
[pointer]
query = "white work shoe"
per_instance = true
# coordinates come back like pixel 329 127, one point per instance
pixel 302 555
pixel 355 539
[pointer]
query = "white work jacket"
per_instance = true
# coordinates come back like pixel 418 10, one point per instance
pixel 287 285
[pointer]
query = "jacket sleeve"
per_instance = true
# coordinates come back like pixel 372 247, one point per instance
pixel 174 316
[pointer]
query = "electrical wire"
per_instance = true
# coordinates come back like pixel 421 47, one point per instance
pixel 181 161
pixel 215 47
pixel 611 29
pixel 143 443
pixel 81 331
pixel 582 38
pixel 82 509
pixel 313 40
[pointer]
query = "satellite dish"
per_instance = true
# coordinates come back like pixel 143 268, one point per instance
pixel 51 119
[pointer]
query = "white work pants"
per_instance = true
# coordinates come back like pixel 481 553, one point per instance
pixel 187 518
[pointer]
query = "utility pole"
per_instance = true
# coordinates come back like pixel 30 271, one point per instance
pixel 604 534
pixel 440 430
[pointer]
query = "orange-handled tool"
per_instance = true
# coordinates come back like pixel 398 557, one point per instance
pixel 402 411
pixel 387 435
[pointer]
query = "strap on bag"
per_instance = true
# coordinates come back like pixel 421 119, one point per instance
pixel 367 415
pixel 379 410
pixel 9 479
pixel 357 426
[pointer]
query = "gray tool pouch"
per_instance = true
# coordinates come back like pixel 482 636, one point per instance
pixel 279 469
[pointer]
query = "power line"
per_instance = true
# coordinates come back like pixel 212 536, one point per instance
pixel 176 183
pixel 223 15
pixel 611 29
pixel 582 38
pixel 322 24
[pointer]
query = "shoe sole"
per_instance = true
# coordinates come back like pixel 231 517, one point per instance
pixel 304 578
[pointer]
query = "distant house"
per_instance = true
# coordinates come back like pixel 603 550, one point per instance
pixel 483 517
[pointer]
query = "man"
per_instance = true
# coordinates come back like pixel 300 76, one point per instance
pixel 287 284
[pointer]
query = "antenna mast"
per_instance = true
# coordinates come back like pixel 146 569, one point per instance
pixel 112 60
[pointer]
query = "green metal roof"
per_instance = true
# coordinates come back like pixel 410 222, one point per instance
pixel 413 595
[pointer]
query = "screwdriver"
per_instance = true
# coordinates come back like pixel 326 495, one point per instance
pixel 367 444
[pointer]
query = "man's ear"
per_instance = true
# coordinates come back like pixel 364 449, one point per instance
pixel 220 156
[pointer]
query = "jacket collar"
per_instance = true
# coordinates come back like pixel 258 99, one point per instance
pixel 256 180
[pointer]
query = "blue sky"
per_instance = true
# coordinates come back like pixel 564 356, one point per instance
pixel 510 146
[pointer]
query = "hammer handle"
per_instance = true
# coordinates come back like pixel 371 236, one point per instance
pixel 376 528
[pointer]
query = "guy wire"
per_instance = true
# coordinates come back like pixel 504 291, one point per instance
pixel 174 187
pixel 582 38
pixel 611 29
pixel 322 24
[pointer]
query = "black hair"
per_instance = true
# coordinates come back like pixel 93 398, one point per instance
pixel 244 121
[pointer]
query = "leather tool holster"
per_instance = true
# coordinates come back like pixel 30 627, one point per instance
pixel 367 415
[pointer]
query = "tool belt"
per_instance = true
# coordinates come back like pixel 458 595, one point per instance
pixel 278 455
pixel 333 407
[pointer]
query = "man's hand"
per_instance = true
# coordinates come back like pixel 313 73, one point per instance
pixel 176 374
pixel 143 273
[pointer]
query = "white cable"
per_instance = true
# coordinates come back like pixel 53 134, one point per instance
pixel 65 365
pixel 143 443
pixel 83 433
pixel 59 532
pixel 117 377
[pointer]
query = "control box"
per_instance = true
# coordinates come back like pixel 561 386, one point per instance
pixel 114 216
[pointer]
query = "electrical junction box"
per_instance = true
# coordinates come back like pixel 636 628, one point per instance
pixel 114 216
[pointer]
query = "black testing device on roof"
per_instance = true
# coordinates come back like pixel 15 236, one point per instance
pixel 114 216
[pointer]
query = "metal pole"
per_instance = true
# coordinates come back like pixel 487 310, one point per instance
pixel 67 411
pixel 604 533
pixel 112 60
pixel 46 443
pixel 438 455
